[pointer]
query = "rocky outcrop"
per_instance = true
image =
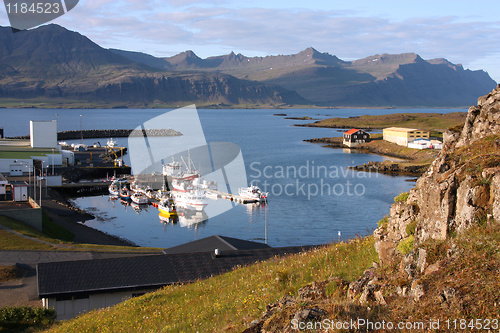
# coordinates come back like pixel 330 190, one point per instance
pixel 392 168
pixel 461 188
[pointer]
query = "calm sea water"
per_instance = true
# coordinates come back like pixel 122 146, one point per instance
pixel 313 196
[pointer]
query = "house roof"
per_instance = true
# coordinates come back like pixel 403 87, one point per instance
pixel 209 244
pixel 401 129
pixel 142 272
pixel 352 131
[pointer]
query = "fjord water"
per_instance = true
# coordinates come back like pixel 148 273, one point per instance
pixel 313 196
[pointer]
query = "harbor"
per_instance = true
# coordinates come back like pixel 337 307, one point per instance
pixel 289 223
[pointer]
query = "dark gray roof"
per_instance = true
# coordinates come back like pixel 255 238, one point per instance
pixel 209 244
pixel 141 272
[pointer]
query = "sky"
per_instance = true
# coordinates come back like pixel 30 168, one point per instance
pixel 463 32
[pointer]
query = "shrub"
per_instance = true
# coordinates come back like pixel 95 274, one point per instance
pixel 383 221
pixel 402 197
pixel 23 315
pixel 410 228
pixel 406 245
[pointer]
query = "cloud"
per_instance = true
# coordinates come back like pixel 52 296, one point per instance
pixel 171 29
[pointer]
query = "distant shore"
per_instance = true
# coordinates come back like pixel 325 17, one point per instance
pixel 414 161
pixel 75 104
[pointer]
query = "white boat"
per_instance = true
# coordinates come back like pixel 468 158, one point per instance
pixel 111 143
pixel 252 193
pixel 172 169
pixel 114 189
pixel 139 198
pixel 182 185
pixel 149 192
pixel 189 200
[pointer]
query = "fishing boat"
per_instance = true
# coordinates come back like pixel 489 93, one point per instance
pixel 125 194
pixel 139 198
pixel 114 189
pixel 149 192
pixel 252 193
pixel 172 169
pixel 167 208
pixel 182 185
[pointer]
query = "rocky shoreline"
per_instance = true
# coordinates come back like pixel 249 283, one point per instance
pixel 388 167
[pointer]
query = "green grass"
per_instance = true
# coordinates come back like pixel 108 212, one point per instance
pixel 54 230
pixel 425 121
pixel 402 197
pixel 229 302
pixel 406 245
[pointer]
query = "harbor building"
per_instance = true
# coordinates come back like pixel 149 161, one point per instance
pixel 17 156
pixel 355 137
pixel 402 136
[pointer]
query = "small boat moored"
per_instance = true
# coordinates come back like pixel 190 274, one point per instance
pixel 125 193
pixel 139 198
pixel 167 208
pixel 253 193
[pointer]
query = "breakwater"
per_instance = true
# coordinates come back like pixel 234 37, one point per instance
pixel 110 133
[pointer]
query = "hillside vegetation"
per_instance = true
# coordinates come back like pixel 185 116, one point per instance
pixel 230 302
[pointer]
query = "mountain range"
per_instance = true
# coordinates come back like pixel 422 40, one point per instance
pixel 53 63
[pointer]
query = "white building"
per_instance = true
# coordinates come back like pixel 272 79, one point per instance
pixel 43 134
pixel 19 191
pixel 16 156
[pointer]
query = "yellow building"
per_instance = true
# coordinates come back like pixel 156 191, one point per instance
pixel 402 136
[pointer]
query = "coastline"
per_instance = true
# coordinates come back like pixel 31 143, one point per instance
pixel 410 163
